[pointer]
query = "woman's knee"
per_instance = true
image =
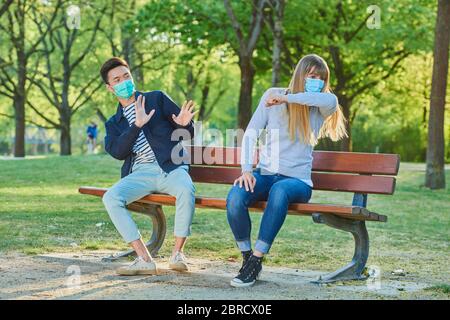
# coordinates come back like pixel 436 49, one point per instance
pixel 236 200
pixel 283 194
pixel 278 195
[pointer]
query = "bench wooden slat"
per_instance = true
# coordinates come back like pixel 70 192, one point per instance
pixel 356 162
pixel 351 212
pixel 328 161
pixel 321 181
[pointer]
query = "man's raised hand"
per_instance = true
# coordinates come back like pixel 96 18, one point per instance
pixel 186 114
pixel 141 117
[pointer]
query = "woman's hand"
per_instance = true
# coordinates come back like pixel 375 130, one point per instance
pixel 247 179
pixel 275 99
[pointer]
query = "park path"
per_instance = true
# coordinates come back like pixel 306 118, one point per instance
pixel 54 276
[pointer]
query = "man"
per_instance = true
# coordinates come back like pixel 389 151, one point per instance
pixel 140 133
pixel 92 137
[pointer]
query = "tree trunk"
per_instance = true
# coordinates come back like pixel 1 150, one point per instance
pixel 204 101
pixel 129 52
pixel 19 94
pixel 435 174
pixel 346 143
pixel 64 120
pixel 65 113
pixel 277 42
pixel 245 93
pixel 245 52
pixel 276 60
pixel 65 141
pixel 100 115
pixel 19 115
pixel 130 56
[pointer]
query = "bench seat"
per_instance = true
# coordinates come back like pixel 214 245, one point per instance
pixel 345 211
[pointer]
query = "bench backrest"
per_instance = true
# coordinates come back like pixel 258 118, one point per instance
pixel 334 171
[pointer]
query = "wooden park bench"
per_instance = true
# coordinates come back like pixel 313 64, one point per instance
pixel 358 173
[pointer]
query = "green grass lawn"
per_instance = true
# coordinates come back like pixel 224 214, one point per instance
pixel 41 211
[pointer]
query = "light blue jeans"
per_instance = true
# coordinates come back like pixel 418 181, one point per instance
pixel 148 178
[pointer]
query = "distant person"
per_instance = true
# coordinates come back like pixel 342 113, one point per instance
pixel 91 137
pixel 294 118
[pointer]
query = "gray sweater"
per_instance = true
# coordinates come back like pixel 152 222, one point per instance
pixel 278 153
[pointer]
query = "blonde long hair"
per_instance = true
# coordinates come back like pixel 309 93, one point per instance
pixel 299 118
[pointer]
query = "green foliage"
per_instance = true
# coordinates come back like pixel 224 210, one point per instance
pixel 174 38
pixel 393 117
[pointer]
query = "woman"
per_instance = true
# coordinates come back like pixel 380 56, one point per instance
pixel 294 119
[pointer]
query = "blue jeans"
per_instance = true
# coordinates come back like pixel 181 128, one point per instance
pixel 279 191
pixel 149 178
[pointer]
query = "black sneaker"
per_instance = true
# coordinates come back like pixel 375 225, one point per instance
pixel 249 274
pixel 245 256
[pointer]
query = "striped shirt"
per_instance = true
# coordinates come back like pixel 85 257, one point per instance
pixel 144 153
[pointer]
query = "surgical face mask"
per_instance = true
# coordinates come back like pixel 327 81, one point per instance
pixel 314 85
pixel 125 89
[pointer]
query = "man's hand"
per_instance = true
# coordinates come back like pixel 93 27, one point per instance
pixel 186 114
pixel 275 99
pixel 248 179
pixel 141 117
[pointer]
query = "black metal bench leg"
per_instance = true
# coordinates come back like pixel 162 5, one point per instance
pixel 354 270
pixel 156 213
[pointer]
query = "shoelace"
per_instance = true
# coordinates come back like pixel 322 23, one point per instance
pixel 245 257
pixel 250 269
pixel 136 261
pixel 179 256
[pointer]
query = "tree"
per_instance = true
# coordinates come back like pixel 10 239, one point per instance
pixel 142 53
pixel 435 173
pixel 235 27
pixel 196 71
pixel 275 22
pixel 360 53
pixel 63 53
pixel 245 48
pixel 15 64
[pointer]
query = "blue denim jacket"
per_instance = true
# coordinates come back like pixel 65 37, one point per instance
pixel 120 136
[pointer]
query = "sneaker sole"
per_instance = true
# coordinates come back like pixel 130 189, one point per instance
pixel 245 285
pixel 241 285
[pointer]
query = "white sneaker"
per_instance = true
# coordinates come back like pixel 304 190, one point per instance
pixel 178 262
pixel 138 267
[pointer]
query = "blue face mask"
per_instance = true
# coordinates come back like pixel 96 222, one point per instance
pixel 125 89
pixel 314 85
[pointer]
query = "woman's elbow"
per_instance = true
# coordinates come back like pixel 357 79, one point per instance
pixel 333 102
